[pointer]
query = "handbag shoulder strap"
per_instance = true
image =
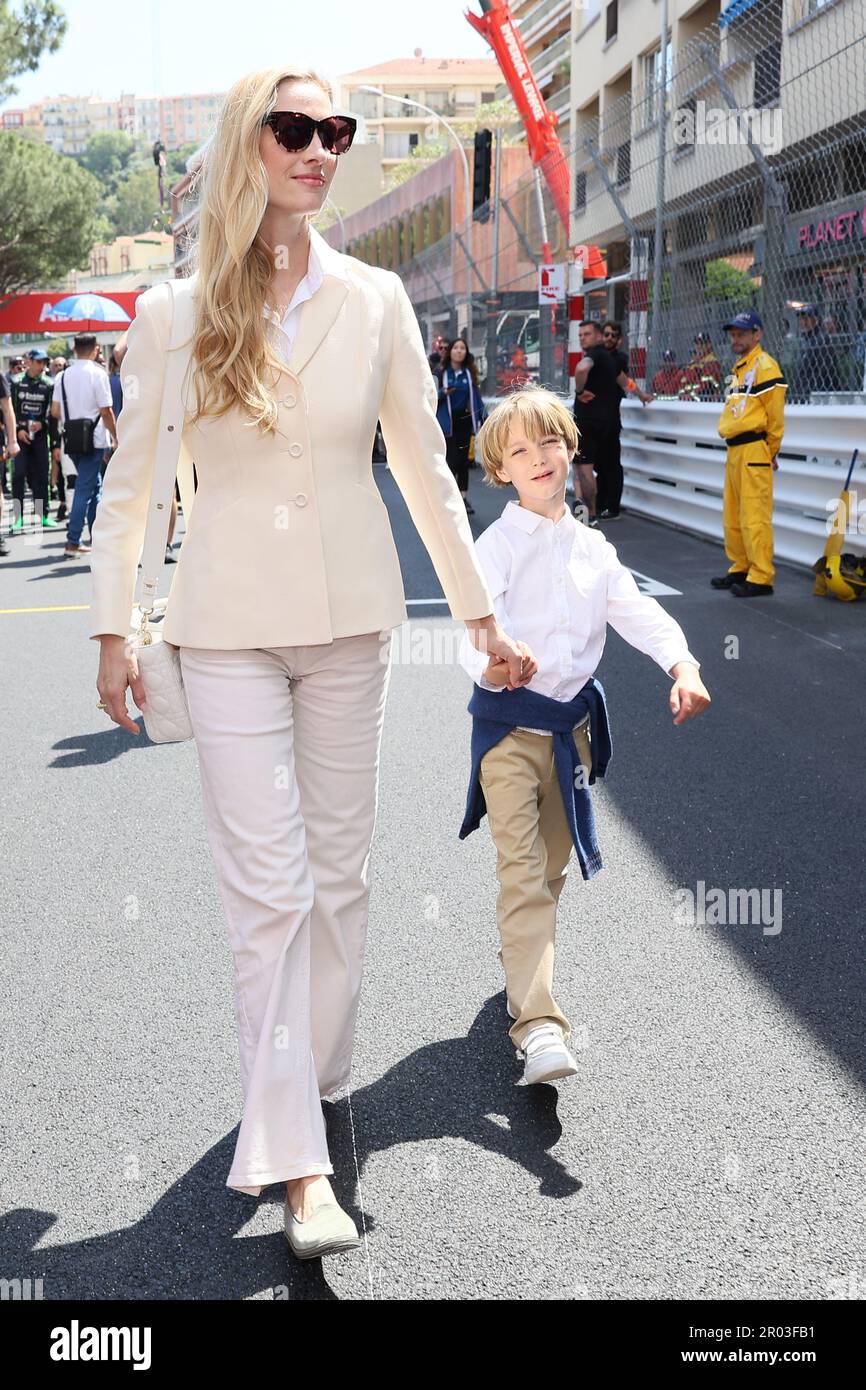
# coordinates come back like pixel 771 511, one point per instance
pixel 168 453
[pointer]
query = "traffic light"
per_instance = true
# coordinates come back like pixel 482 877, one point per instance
pixel 481 175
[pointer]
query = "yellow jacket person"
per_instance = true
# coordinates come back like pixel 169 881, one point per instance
pixel 751 424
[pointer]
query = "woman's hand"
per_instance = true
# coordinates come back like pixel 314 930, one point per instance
pixel 689 696
pixel 118 669
pixel 487 636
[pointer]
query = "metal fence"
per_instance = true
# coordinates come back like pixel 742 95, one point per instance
pixel 763 183
pixel 763 193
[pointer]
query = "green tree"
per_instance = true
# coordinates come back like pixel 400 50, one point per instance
pixel 107 156
pixel 725 281
pixel 51 230
pixel 27 31
pixel 134 205
pixel 175 163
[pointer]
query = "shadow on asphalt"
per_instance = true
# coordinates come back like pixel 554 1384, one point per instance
pixel 187 1245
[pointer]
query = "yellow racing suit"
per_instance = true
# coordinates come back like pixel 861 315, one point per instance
pixel 752 424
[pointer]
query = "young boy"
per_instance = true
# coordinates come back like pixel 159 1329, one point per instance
pixel 537 748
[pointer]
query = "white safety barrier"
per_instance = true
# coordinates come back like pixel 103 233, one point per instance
pixel 674 465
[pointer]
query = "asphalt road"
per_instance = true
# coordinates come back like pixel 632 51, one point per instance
pixel 712 1144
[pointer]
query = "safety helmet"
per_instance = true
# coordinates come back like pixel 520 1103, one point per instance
pixel 846 576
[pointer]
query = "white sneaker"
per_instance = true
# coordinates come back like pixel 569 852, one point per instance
pixel 546 1057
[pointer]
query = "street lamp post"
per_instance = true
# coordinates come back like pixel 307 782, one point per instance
pixel 407 101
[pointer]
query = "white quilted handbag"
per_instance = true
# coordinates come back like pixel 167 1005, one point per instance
pixel 166 713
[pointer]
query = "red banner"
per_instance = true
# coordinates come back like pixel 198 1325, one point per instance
pixel 51 313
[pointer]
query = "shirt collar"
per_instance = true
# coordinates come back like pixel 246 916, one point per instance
pixel 529 521
pixel 310 283
pixel 749 357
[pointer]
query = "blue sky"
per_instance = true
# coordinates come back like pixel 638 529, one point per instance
pixel 166 46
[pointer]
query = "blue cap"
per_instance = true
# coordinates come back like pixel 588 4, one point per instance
pixel 746 318
pixel 37 355
pixel 810 309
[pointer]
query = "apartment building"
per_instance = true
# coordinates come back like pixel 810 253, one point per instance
pixel 452 87
pixel 67 122
pixel 785 77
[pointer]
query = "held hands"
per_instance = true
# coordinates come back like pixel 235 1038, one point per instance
pixel 511 662
pixel 498 669
pixel 689 696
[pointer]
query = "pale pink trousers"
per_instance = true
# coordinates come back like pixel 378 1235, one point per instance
pixel 288 743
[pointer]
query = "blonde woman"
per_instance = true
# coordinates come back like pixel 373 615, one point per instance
pixel 285 595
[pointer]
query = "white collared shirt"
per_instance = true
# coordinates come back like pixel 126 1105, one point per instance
pixel 287 327
pixel 556 586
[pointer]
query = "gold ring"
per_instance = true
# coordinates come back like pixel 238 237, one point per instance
pixel 100 704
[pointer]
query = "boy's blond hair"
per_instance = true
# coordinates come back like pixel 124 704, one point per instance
pixel 532 409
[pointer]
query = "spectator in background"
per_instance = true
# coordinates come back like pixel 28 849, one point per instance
pixel 58 480
pixel 36 431
pixel 611 333
pixel 668 378
pixel 701 379
pixel 16 369
pixel 434 357
pixel 87 395
pixel 461 411
pixel 817 366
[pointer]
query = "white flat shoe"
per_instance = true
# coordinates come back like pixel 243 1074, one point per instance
pixel 546 1057
pixel 328 1231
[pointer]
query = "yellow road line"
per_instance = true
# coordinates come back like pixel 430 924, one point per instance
pixel 57 608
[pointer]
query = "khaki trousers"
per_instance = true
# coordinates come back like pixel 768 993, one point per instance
pixel 288 743
pixel 533 845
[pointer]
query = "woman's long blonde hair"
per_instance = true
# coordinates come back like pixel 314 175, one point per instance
pixel 231 347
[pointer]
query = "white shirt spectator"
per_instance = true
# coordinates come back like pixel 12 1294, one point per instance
pixel 288 326
pixel 88 391
pixel 556 586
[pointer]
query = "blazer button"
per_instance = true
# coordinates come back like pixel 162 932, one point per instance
pixel 288 400
pixel 295 450
pixel 300 499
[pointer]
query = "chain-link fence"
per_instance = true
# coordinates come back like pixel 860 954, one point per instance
pixel 763 198
pixel 763 193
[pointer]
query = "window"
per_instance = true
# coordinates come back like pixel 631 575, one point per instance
pixel 396 144
pixel 684 126
pixel 768 68
pixel 486 97
pixel 580 193
pixel 612 21
pixel 363 104
pixel 623 164
pixel 651 64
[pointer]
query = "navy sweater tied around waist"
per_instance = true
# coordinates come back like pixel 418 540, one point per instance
pixel 494 715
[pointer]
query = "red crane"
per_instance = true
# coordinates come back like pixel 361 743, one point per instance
pixel 496 25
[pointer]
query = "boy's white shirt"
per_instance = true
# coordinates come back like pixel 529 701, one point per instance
pixel 556 586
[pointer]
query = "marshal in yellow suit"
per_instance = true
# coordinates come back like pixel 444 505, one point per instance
pixel 752 425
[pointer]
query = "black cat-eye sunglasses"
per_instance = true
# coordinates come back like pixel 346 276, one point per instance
pixel 294 131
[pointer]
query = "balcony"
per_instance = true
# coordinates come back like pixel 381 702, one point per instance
pixel 559 104
pixel 542 17
pixel 544 64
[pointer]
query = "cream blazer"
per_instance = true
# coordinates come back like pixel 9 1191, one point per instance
pixel 288 541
